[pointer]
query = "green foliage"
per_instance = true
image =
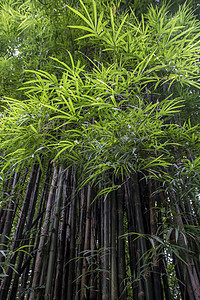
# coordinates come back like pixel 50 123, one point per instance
pixel 115 115
pixel 31 32
pixel 117 107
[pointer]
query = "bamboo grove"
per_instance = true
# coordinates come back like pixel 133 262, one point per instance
pixel 99 153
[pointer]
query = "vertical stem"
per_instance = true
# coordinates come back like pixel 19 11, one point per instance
pixel 54 235
pixel 37 223
pixel 93 281
pixel 67 193
pixel 6 220
pixel 31 212
pixel 105 287
pixel 120 246
pixel 165 279
pixel 114 282
pixel 86 242
pixel 101 242
pixel 43 237
pixel 18 234
pixel 131 228
pixel 80 242
pixel 6 189
pixel 193 281
pixel 158 292
pixel 140 227
pixel 72 241
pixel 60 250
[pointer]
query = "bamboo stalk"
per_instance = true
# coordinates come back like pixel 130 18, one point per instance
pixel 25 241
pixel 60 249
pixel 114 281
pixel 6 189
pixel 7 224
pixel 18 234
pixel 140 227
pixel 105 285
pixel 101 241
pixel 37 223
pixel 67 226
pixel 120 246
pixel 84 278
pixel 165 279
pixel 80 242
pixel 7 219
pixel 54 234
pixel 72 240
pixel 131 228
pixel 43 237
pixel 192 273
pixel 141 288
pixel 158 291
pixel 93 279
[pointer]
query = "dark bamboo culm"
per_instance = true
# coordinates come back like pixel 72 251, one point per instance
pixel 84 249
pixel 18 234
